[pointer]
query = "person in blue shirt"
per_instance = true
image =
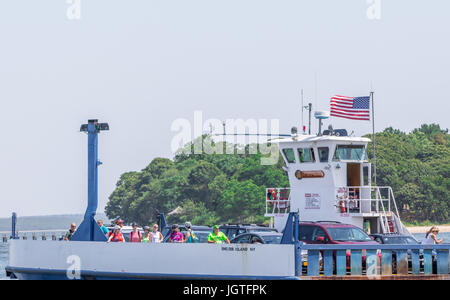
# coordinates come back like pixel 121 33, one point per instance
pixel 103 227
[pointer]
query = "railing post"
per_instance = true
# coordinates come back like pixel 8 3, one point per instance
pixel 415 261
pixel 386 262
pixel 442 256
pixel 402 262
pixel 427 262
pixel 341 262
pixel 297 253
pixel 356 262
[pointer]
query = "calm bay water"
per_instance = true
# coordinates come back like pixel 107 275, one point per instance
pixel 4 255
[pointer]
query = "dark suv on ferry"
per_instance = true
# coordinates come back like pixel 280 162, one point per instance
pixel 233 230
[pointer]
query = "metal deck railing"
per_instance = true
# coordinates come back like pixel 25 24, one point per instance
pixel 372 260
pixel 54 235
pixel 278 201
pixel 370 200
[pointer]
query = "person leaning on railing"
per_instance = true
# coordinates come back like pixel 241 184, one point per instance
pixel 430 237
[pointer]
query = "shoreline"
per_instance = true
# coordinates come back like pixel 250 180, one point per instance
pixel 423 229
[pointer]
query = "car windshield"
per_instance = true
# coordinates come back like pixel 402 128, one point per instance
pixel 405 240
pixel 348 234
pixel 262 230
pixel 272 239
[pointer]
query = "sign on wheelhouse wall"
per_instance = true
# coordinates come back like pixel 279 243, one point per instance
pixel 312 201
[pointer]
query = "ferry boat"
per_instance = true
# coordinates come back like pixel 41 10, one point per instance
pixel 330 180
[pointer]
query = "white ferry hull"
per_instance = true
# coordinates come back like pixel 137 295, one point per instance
pixel 97 260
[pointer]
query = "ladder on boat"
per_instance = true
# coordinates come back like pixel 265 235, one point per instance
pixel 389 220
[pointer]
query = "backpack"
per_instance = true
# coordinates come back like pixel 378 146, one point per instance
pixel 193 238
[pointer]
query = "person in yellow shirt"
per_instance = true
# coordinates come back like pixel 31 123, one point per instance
pixel 217 236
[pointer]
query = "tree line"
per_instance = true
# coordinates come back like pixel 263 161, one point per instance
pixel 208 189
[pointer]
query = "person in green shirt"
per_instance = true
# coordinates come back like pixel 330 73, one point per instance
pixel 146 238
pixel 217 237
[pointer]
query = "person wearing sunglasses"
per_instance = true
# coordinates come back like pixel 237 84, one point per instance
pixel 431 237
pixel 156 236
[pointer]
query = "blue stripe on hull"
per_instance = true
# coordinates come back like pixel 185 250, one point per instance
pixel 47 274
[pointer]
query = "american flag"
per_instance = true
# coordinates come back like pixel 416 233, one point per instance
pixel 355 108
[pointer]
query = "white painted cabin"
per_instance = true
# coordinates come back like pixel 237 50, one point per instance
pixel 330 180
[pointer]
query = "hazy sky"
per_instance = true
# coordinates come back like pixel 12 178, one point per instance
pixel 139 65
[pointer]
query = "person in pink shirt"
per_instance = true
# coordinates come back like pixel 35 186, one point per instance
pixel 135 235
pixel 176 236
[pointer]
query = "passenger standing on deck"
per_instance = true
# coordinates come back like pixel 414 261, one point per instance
pixel 190 234
pixel 119 222
pixel 217 236
pixel 147 237
pixel 116 236
pixel 156 236
pixel 176 236
pixel 104 229
pixel 135 235
pixel 69 234
pixel 430 237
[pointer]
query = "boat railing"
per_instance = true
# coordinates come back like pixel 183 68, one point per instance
pixel 365 261
pixel 365 199
pixel 278 201
pixel 44 235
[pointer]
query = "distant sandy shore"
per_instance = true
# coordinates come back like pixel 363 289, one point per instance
pixel 423 229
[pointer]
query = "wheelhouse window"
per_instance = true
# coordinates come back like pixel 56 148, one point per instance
pixel 366 176
pixel 306 155
pixel 350 152
pixel 324 153
pixel 290 155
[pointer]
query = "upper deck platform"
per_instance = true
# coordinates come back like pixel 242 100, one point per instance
pixel 321 138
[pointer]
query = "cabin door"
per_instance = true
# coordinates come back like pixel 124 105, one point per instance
pixel 353 175
pixel 353 184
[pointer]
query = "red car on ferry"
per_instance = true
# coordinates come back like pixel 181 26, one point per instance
pixel 330 232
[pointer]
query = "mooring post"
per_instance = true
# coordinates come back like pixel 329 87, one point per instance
pixel 13 226
pixel 88 229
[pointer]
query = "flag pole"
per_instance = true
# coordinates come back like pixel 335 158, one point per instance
pixel 302 113
pixel 373 142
